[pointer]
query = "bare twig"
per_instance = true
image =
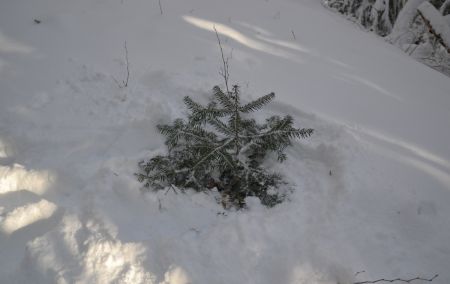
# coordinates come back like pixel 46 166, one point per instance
pixel 127 63
pixel 293 34
pixel 174 188
pixel 399 280
pixel 160 208
pixel 195 230
pixel 224 71
pixel 160 7
pixel 117 82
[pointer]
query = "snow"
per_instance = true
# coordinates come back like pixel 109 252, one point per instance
pixel 16 177
pixel 372 185
pixel 436 21
pixel 400 33
pixel 23 216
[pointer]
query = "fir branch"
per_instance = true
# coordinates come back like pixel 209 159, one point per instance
pixel 191 105
pixel 246 147
pixel 236 117
pixel 220 126
pixel 257 104
pixel 281 123
pixel 201 114
pixel 226 157
pixel 197 136
pixel 223 99
pixel 211 153
pixel 299 133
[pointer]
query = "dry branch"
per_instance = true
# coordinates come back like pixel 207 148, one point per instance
pixel 224 70
pixel 398 280
pixel 127 64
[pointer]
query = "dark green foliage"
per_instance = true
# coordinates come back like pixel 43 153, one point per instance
pixel 220 146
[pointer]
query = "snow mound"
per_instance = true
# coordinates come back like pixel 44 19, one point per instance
pixel 78 252
pixel 17 177
pixel 23 216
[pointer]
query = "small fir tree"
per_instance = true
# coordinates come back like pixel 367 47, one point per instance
pixel 220 146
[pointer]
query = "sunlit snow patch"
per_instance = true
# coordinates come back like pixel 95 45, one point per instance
pixel 176 275
pixel 415 156
pixel 12 46
pixel 92 249
pixel 305 274
pixel 18 177
pixel 27 215
pixel 239 37
pixel 2 144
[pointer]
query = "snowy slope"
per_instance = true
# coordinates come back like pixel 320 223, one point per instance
pixel 71 210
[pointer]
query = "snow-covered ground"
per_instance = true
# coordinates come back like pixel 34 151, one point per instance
pixel 71 210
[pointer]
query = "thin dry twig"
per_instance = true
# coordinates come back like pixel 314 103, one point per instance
pixel 224 70
pixel 160 207
pixel 399 280
pixel 174 188
pixel 127 63
pixel 160 7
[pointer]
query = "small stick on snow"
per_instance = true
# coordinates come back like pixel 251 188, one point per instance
pixel 399 280
pixel 174 188
pixel 160 7
pixel 160 208
pixel 293 34
pixel 127 63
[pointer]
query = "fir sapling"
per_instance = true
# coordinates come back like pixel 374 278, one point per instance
pixel 220 145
